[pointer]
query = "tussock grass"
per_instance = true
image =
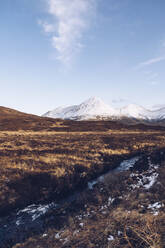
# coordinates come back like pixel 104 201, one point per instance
pixel 66 160
pixel 120 225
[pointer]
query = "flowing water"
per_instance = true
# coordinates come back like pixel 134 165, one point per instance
pixel 15 227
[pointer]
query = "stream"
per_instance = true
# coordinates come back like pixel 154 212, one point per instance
pixel 15 227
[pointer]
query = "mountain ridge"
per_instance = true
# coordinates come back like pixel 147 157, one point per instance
pixel 95 108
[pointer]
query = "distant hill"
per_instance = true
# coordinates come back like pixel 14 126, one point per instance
pixel 14 120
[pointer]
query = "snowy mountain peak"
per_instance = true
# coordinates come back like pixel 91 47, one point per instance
pixel 93 101
pixel 134 111
pixel 94 107
pixel 96 104
pixel 89 109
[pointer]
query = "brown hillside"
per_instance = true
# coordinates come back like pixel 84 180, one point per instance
pixel 13 120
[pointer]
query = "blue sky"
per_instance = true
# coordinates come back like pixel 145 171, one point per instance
pixel 61 52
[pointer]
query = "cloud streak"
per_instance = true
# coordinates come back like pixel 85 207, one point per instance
pixel 151 61
pixel 69 20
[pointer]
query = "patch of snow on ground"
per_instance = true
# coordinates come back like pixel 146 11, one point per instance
pixel 119 233
pixel 155 207
pixel 18 222
pixel 57 236
pixel 44 235
pixel 151 180
pixel 35 211
pixel 145 179
pixel 81 224
pixel 110 200
pixel 110 238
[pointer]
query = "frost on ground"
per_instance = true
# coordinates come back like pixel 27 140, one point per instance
pixel 110 238
pixel 145 179
pixel 33 211
pixel 155 207
pixel 81 224
pixel 57 236
pixel 110 200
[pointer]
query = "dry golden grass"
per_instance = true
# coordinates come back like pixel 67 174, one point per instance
pixel 115 151
pixel 136 231
pixel 65 159
pixel 42 159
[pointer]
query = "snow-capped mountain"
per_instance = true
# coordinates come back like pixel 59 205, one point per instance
pixel 158 114
pixel 95 108
pixel 134 111
pixel 92 108
pixel 158 106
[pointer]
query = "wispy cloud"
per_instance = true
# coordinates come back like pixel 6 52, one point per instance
pixel 69 20
pixel 150 62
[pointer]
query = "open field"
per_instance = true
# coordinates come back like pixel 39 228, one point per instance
pixel 42 160
pixel 52 164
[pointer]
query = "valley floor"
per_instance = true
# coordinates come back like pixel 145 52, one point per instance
pixel 124 210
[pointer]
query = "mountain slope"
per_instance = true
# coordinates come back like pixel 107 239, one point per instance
pixel 135 111
pixel 89 109
pixel 13 120
pixel 95 108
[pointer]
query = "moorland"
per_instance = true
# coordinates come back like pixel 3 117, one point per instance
pixel 44 160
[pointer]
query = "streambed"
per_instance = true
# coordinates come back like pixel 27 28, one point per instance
pixel 16 227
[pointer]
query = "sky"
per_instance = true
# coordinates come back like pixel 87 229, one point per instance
pixel 62 52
